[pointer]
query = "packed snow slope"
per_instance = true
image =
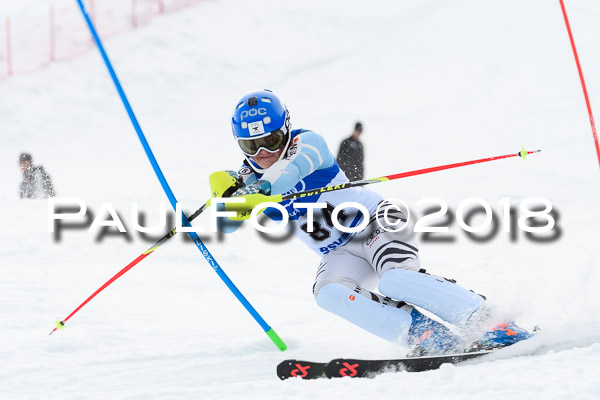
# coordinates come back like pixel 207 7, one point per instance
pixel 434 82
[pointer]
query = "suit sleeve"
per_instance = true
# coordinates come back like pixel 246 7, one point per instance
pixel 308 153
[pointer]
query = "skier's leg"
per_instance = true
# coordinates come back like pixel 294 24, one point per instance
pixel 395 258
pixel 454 304
pixel 444 298
pixel 340 288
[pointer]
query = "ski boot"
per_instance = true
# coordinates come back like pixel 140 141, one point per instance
pixel 429 337
pixel 504 334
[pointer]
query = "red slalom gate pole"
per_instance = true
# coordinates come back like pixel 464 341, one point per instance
pixel 52 35
pixel 134 22
pixel 585 93
pixel 92 13
pixel 92 10
pixel 8 49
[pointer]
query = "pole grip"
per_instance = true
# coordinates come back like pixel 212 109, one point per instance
pixel 9 66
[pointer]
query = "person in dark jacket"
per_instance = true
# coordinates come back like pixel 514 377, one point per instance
pixel 36 182
pixel 351 155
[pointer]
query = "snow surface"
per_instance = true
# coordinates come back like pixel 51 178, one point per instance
pixel 434 82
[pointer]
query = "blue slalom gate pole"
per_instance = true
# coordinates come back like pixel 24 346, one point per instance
pixel 213 263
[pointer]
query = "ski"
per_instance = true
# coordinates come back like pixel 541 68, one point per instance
pixel 355 368
pixel 301 369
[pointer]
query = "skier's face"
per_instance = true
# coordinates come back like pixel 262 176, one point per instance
pixel 265 159
pixel 25 165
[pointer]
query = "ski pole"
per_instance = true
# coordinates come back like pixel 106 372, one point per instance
pixel 170 195
pixel 61 324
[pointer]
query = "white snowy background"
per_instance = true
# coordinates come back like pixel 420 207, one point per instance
pixel 433 81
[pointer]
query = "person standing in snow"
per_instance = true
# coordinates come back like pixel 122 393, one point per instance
pixel 279 160
pixel 351 155
pixel 36 182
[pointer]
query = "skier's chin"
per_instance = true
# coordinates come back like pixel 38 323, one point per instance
pixel 266 162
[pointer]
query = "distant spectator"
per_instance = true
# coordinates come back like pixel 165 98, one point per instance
pixel 36 182
pixel 351 156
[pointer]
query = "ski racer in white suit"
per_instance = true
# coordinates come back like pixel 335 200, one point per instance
pixel 279 160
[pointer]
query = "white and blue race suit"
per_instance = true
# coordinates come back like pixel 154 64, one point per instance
pixel 353 266
pixel 309 164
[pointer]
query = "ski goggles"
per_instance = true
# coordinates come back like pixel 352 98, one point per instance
pixel 271 142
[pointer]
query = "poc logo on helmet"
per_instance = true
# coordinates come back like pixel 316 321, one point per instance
pixel 253 112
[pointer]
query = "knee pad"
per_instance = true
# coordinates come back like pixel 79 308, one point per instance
pixel 389 323
pixel 446 299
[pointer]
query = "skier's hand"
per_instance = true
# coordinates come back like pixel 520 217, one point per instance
pixel 224 183
pixel 262 187
pixel 253 194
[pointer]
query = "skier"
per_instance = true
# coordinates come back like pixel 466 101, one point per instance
pixel 36 182
pixel 279 160
pixel 351 155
